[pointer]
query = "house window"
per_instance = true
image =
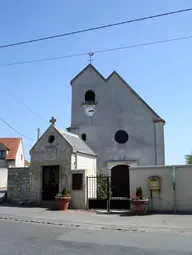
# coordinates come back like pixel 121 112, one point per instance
pixel 21 157
pixel 77 181
pixel 2 154
pixel 83 137
pixel 89 96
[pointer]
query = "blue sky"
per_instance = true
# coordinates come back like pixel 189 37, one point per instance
pixel 160 74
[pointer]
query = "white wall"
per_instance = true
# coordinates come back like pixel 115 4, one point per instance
pixel 79 197
pixel 3 178
pixel 184 188
pixel 164 201
pixel 73 161
pixel 20 158
pixel 87 162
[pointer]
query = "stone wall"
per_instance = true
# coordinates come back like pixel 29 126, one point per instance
pixel 18 186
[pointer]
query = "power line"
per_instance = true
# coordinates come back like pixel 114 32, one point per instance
pixel 45 59
pixel 98 51
pixel 23 104
pixel 144 44
pixel 96 28
pixel 16 130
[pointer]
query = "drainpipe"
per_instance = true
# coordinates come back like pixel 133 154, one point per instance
pixel 174 182
pixel 76 160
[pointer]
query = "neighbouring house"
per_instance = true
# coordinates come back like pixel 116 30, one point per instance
pixel 11 153
pixel 27 163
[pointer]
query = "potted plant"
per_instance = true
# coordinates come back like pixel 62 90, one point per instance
pixel 139 202
pixel 63 199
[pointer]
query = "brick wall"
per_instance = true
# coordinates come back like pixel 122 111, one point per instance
pixel 18 186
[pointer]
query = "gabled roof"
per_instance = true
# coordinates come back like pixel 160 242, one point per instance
pixel 158 118
pixel 76 143
pixel 85 69
pixel 12 144
pixel 3 147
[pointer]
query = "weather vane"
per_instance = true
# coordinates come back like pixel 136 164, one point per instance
pixel 90 56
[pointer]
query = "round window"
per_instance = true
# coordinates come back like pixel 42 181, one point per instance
pixel 51 139
pixel 121 136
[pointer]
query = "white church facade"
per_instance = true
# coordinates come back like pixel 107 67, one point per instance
pixel 115 122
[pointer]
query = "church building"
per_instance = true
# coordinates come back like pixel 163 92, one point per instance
pixel 115 122
pixel 112 128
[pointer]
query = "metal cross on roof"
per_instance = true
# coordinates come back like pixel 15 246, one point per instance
pixel 52 121
pixel 90 57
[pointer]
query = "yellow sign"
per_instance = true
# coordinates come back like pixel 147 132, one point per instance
pixel 154 183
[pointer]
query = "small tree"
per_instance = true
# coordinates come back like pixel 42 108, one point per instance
pixel 103 187
pixel 65 192
pixel 139 192
pixel 188 159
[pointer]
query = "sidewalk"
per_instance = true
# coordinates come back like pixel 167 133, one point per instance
pixel 101 220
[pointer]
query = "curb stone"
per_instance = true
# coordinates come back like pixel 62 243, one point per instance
pixel 67 225
pixel 98 227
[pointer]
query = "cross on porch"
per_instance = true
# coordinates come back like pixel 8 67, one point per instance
pixel 52 121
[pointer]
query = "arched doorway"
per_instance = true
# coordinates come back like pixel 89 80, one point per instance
pixel 120 187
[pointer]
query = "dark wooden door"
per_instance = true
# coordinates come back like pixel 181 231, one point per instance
pixel 50 182
pixel 120 181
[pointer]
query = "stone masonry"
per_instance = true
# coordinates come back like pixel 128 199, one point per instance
pixel 18 186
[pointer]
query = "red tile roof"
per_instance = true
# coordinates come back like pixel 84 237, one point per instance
pixel 12 144
pixel 27 163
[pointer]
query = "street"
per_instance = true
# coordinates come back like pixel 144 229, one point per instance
pixel 20 238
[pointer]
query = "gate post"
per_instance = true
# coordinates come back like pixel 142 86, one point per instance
pixel 87 187
pixel 108 195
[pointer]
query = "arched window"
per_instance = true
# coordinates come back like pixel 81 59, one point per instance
pixel 83 137
pixel 89 96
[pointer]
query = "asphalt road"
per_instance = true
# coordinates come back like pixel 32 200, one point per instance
pixel 17 238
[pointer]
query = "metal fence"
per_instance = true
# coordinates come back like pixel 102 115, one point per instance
pixel 105 192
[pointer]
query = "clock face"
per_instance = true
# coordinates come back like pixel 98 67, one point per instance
pixel 90 111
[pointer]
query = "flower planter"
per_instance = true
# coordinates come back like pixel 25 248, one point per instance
pixel 139 206
pixel 63 203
